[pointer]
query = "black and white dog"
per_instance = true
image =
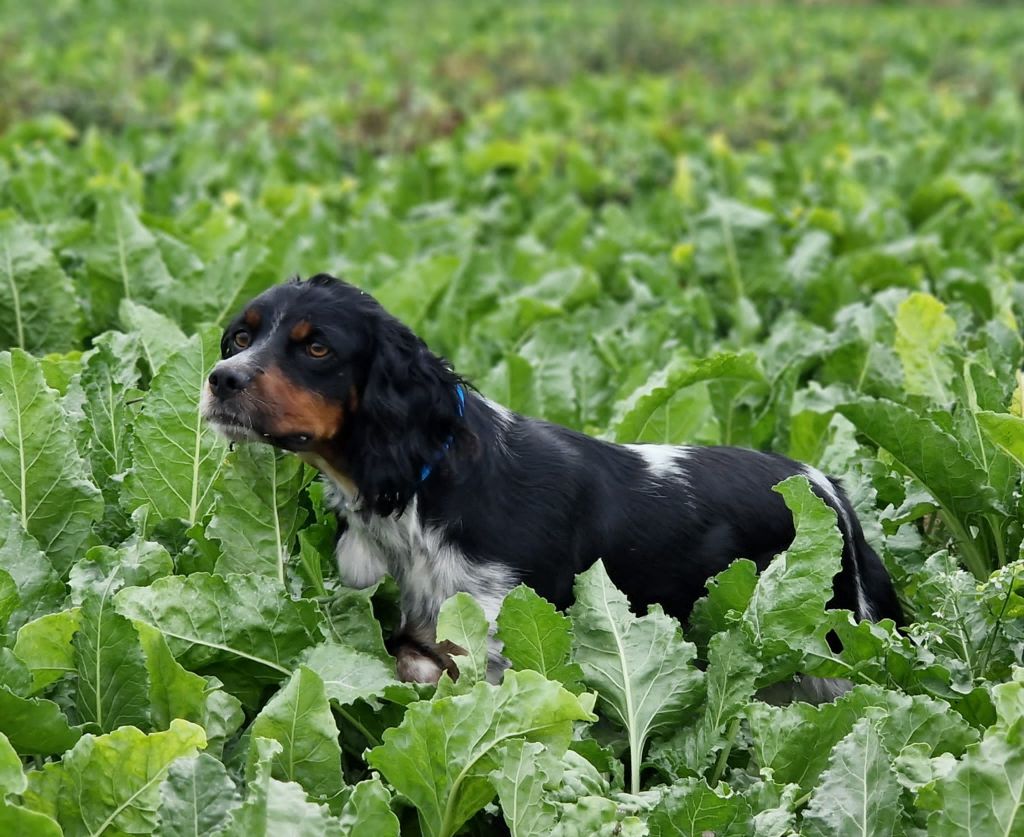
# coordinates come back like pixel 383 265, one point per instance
pixel 448 491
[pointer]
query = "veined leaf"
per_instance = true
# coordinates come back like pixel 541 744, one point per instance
pixel 256 513
pixel 1005 431
pixel 176 456
pixel 41 472
pixel 367 812
pixel 299 718
pixel 159 336
pixel 38 309
pixel 14 819
pixel 936 459
pixel 787 609
pixel 44 645
pixel 174 692
pixel 462 622
pixel 523 780
pixel 691 807
pixel 640 667
pixel 349 674
pixel 124 262
pixel 923 330
pixel 113 684
pixel 536 636
pixel 441 755
pixel 211 618
pixel 39 588
pixel 195 797
pixel 632 413
pixel 35 725
pixel 111 781
pixel 858 793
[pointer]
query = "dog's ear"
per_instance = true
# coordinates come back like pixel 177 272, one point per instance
pixel 408 411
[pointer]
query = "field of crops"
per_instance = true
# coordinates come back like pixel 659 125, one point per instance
pixel 787 228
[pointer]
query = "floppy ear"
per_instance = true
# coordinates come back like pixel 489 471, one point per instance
pixel 407 413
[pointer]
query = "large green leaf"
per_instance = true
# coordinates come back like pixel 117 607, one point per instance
pixel 111 781
pixel 787 609
pixel 633 412
pixel 692 807
pixel 299 718
pixel 349 674
pixel 367 812
pixel 273 808
pixel 124 262
pixel 211 618
pixel 1005 431
pixel 195 797
pixel 113 683
pixel 935 458
pixel 34 725
pixel 461 621
pixel 174 692
pixel 176 456
pixel 37 586
pixel 256 513
pixel 536 636
pixel 38 309
pixel 443 751
pixel 44 645
pixel 159 336
pixel 641 668
pixel 41 472
pixel 858 793
pixel 923 330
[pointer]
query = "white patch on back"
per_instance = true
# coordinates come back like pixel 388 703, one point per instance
pixel 662 461
pixel 864 609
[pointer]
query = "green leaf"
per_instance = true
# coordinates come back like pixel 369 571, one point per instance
pixel 691 807
pixel 17 820
pixel 176 456
pixel 462 622
pixel 195 797
pixel 352 621
pixel 38 587
pixel 348 674
pixel 441 755
pixel 729 594
pixel 174 692
pixel 113 684
pixel 787 608
pixel 273 808
pixel 524 779
pixel 1006 432
pixel 135 562
pixel 923 330
pixel 210 618
pixel 34 725
pixel 534 635
pixel 124 262
pixel 984 793
pixel 111 781
pixel 109 373
pixel 159 335
pixel 12 777
pixel 858 794
pixel 936 459
pixel 9 598
pixel 41 472
pixel 256 513
pixel 794 740
pixel 640 667
pixel 633 412
pixel 732 670
pixel 44 645
pixel 38 309
pixel 299 718
pixel 367 812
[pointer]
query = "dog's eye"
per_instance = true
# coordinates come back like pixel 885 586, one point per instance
pixel 242 339
pixel 317 350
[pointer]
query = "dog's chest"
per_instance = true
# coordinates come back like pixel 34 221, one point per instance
pixel 426 565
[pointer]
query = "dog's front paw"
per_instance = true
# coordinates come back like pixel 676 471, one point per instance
pixel 415 665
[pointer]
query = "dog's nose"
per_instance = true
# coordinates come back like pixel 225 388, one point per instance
pixel 225 381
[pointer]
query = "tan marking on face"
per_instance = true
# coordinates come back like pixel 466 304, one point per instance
pixel 353 399
pixel 252 318
pixel 294 409
pixel 300 331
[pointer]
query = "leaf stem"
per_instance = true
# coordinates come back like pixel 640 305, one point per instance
pixel 723 757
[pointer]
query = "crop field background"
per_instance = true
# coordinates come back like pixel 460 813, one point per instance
pixel 787 227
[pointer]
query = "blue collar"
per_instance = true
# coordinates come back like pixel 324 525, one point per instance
pixel 429 467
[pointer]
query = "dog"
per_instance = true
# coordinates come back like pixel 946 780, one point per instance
pixel 448 491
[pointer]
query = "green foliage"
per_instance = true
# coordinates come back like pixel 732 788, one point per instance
pixel 721 224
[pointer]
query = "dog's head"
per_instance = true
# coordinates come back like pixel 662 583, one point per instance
pixel 318 367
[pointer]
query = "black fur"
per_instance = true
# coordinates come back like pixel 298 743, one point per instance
pixel 543 501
